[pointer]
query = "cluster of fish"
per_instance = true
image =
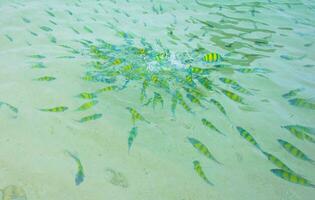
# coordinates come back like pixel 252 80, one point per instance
pixel 293 100
pixel 183 80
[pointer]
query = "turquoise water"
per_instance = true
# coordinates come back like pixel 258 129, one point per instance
pixel 157 100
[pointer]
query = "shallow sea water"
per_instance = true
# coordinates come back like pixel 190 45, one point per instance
pixel 85 46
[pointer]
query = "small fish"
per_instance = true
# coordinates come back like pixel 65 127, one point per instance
pixel 39 65
pixel 247 136
pixel 307 130
pixel 292 177
pixel 290 148
pixel 253 70
pixel 55 109
pixel 241 89
pixel 218 105
pixel 26 20
pixel 233 96
pixel 303 103
pixel 87 29
pixel 74 30
pixel 208 124
pixel 52 39
pixel 276 161
pixel 105 89
pixel 87 105
pixel 34 34
pixel 46 28
pixel 90 117
pixel 292 93
pixel 9 37
pixel 174 102
pixel 79 177
pixel 288 57
pixel 45 78
pixel 298 133
pixel 157 98
pixel 12 108
pixel 50 13
pixel 194 99
pixel 205 82
pixel 201 148
pixel 135 115
pixel 212 57
pixel 37 56
pixel 132 135
pixel 87 95
pixel 198 169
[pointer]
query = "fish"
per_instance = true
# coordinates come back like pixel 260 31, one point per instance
pixel 292 177
pixel 37 56
pixel 9 37
pixel 212 57
pixel 293 150
pixel 39 65
pixel 174 102
pixel 292 93
pixel 87 95
pixel 45 78
pixel 298 133
pixel 233 96
pixel 219 106
pixel 105 89
pixel 46 28
pixel 205 82
pixel 52 39
pixel 201 148
pixel 253 70
pixel 87 105
pixel 132 135
pixel 208 124
pixel 307 130
pixel 135 115
pixel 55 109
pixel 12 108
pixel 303 103
pixel 194 99
pixel 34 34
pixel 247 136
pixel 50 13
pixel 79 177
pixel 87 29
pixel 90 117
pixel 157 99
pixel 241 89
pixel 288 57
pixel 276 161
pixel 26 20
pixel 198 169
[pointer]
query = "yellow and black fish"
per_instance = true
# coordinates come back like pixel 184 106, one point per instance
pixel 212 57
pixel 202 149
pixel 135 115
pixel 292 177
pixel 247 136
pixel 276 161
pixel 208 124
pixel 55 109
pixel 293 150
pixel 90 117
pixel 87 105
pixel 198 169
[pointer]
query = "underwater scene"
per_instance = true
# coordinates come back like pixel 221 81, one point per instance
pixel 157 99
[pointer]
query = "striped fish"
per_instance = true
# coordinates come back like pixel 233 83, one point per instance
pixel 291 177
pixel 293 150
pixel 212 57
